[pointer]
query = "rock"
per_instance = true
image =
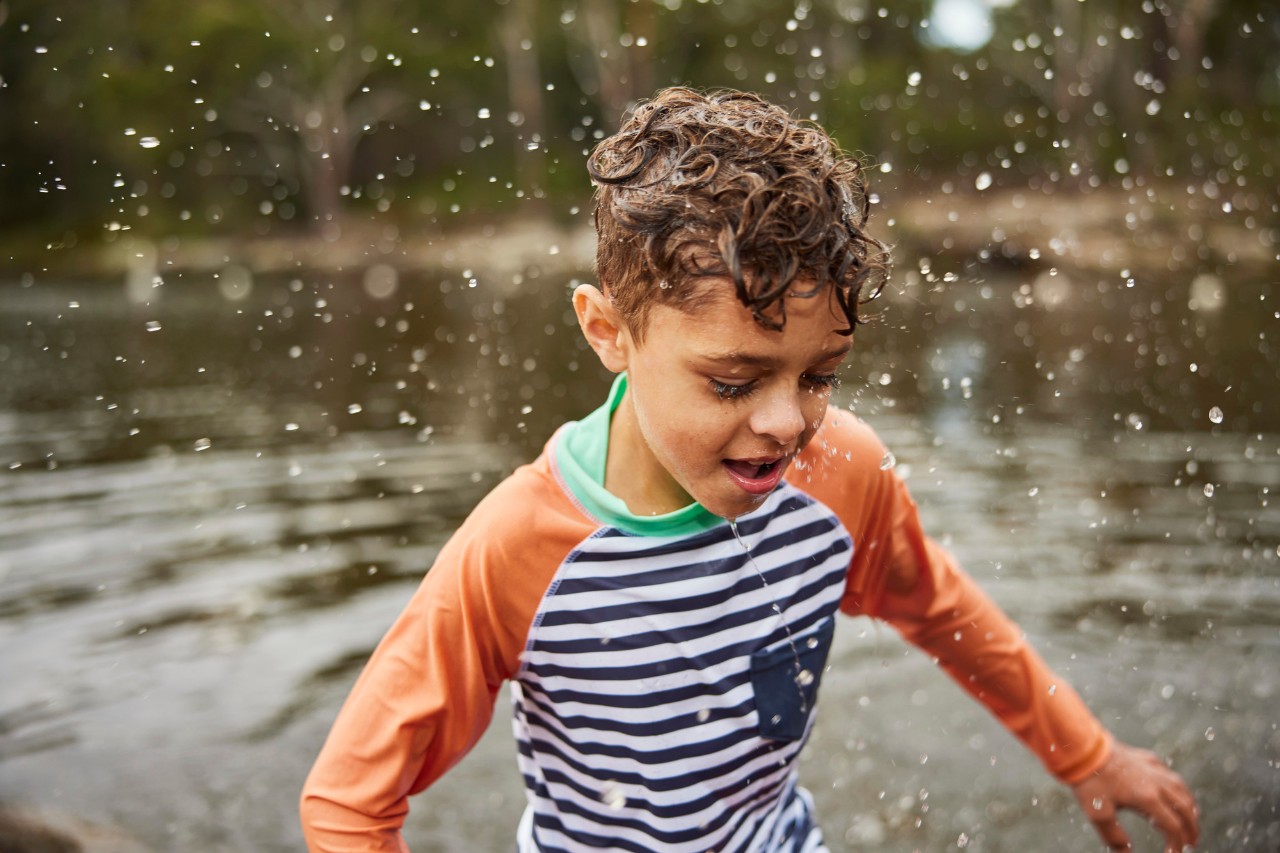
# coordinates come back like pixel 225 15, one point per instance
pixel 31 830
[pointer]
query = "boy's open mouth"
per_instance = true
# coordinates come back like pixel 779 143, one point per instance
pixel 756 476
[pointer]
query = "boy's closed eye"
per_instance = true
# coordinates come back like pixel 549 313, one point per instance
pixel 743 389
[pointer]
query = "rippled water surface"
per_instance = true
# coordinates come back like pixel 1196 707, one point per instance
pixel 211 508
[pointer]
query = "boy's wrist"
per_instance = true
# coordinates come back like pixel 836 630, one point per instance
pixel 1090 762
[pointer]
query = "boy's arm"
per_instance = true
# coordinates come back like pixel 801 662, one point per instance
pixel 422 701
pixel 936 606
pixel 924 593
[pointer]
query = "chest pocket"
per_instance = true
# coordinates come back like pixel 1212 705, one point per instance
pixel 785 678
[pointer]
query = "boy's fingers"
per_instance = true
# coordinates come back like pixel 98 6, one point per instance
pixel 1169 821
pixel 1173 796
pixel 1113 835
pixel 1183 805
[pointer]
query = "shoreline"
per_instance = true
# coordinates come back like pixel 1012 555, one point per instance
pixel 1104 231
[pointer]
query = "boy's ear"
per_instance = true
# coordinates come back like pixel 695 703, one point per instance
pixel 603 328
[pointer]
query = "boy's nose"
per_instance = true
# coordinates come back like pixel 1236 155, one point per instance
pixel 779 416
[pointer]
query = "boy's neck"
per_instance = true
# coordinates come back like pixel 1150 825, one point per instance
pixel 631 472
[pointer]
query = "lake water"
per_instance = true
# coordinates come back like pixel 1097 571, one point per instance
pixel 215 501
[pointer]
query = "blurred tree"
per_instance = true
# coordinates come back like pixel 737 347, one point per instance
pixel 518 36
pixel 612 48
pixel 253 113
pixel 316 92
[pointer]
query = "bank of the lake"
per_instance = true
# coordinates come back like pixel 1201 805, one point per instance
pixel 1142 231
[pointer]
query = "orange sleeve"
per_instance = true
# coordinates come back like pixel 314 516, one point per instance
pixel 900 575
pixel 428 691
pixel 945 613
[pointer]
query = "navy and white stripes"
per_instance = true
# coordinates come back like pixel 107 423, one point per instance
pixel 636 706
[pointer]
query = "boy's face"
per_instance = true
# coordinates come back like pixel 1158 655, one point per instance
pixel 717 407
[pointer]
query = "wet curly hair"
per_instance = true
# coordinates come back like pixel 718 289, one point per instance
pixel 724 184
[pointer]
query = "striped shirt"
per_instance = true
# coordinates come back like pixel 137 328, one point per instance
pixel 664 671
pixel 669 684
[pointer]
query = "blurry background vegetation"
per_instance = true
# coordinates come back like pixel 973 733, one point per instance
pixel 328 118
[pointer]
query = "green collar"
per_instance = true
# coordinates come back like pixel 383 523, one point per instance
pixel 581 451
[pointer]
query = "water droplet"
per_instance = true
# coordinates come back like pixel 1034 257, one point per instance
pixel 1053 688
pixel 888 460
pixel 355 409
pixel 704 715
pixel 1097 804
pixel 804 678
pixel 235 282
pixel 1208 490
pixel 203 444
pixel 1215 415
pixel 913 79
pixel 1208 293
pixel 381 281
pixel 153 325
pixel 149 142
pixel 1209 734
pixel 983 182
pixel 613 796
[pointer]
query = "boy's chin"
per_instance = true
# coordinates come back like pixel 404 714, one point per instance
pixel 729 506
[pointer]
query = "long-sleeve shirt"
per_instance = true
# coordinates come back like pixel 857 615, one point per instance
pixel 664 670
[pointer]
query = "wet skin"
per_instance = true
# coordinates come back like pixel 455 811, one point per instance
pixel 717 406
pixel 716 409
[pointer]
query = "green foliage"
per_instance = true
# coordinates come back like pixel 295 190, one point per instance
pixel 254 115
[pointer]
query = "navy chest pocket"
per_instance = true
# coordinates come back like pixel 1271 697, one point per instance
pixel 785 678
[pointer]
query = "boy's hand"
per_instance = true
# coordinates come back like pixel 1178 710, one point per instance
pixel 1137 779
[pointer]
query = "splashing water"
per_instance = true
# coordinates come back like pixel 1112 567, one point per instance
pixel 803 676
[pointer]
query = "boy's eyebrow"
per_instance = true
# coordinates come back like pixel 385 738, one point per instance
pixel 752 360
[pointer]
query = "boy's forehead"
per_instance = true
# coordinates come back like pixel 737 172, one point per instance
pixel 711 309
pixel 717 294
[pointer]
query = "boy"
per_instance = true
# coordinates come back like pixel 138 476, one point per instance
pixel 660 585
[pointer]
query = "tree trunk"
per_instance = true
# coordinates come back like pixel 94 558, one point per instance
pixel 524 92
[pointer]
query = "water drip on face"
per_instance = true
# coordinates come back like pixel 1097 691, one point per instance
pixel 802 676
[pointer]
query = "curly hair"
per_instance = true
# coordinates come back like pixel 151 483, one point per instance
pixel 724 184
